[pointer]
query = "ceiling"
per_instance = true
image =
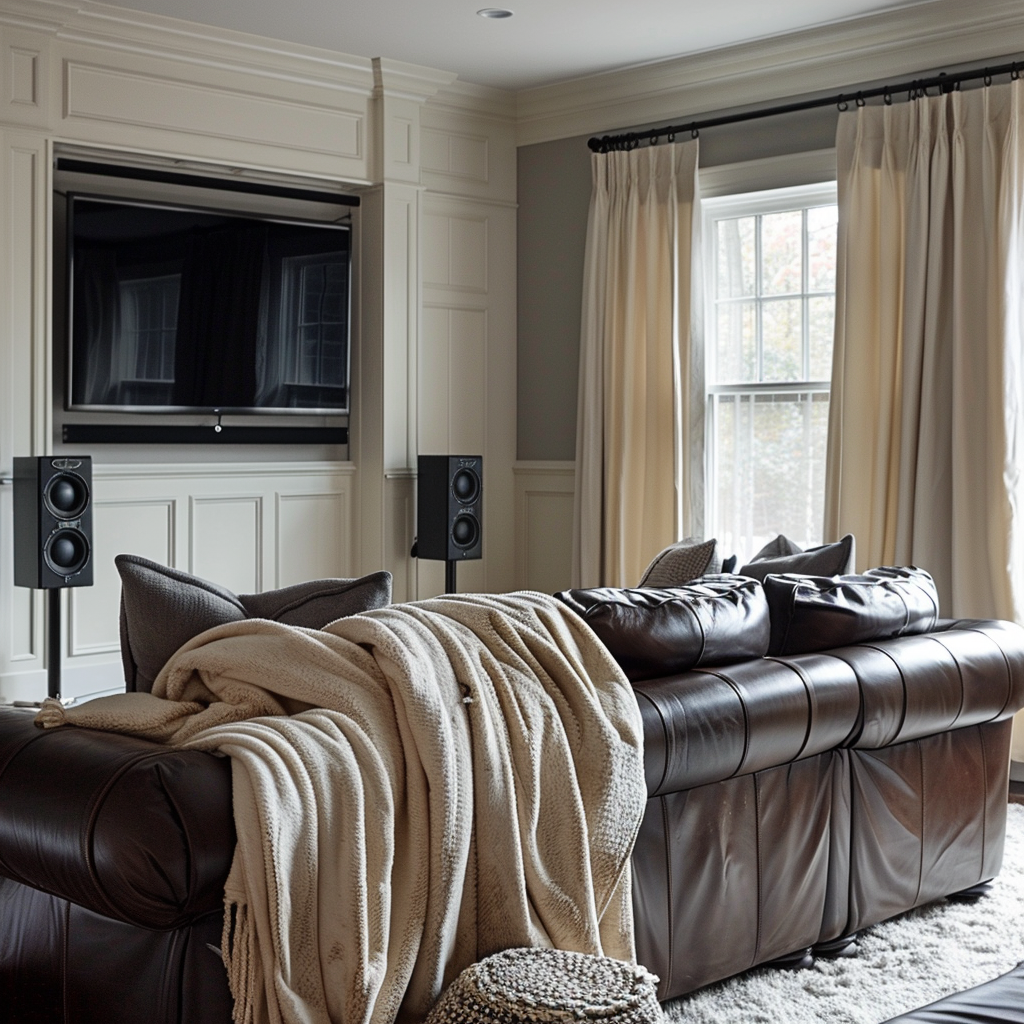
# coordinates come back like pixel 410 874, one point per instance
pixel 545 41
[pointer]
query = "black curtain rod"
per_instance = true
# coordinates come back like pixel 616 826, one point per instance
pixel 915 89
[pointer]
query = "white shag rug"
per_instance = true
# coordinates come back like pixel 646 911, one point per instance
pixel 900 965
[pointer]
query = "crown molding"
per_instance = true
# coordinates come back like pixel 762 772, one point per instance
pixel 890 44
pixel 408 81
pixel 477 100
pixel 154 36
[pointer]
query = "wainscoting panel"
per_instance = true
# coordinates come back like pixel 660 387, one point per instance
pixel 225 541
pixel 544 515
pixel 314 531
pixel 139 527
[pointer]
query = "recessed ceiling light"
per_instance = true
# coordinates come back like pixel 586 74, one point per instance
pixel 495 12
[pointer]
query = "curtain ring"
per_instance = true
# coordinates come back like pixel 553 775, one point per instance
pixel 987 78
pixel 860 99
pixel 887 97
pixel 842 104
pixel 654 139
pixel 1014 72
pixel 671 137
pixel 694 133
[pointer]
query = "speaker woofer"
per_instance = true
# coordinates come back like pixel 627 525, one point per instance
pixel 66 496
pixel 465 530
pixel 466 486
pixel 66 551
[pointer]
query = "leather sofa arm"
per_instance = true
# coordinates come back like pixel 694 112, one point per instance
pixel 118 825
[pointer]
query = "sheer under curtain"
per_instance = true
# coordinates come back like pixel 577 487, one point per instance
pixel 927 412
pixel 640 411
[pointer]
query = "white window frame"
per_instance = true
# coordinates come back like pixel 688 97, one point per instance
pixel 724 207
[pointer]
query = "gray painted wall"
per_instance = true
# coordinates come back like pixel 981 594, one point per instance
pixel 554 198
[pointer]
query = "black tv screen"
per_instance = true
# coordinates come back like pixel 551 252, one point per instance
pixel 181 309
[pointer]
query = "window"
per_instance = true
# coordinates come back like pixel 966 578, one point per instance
pixel 770 260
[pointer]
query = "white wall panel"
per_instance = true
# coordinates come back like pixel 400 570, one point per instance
pixel 165 105
pixel 138 527
pixel 467 374
pixel 23 77
pixel 544 518
pixel 226 535
pixel 313 537
pixel 24 369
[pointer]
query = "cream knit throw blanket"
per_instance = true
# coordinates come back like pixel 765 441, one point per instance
pixel 414 788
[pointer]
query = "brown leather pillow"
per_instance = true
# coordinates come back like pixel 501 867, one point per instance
pixel 815 613
pixel 655 632
pixel 163 608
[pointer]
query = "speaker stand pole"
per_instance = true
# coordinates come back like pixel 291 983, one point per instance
pixel 53 652
pixel 449 576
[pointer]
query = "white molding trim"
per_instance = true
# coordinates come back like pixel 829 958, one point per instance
pixel 889 44
pixel 155 36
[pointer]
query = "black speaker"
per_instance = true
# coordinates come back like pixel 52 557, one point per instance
pixel 449 507
pixel 53 522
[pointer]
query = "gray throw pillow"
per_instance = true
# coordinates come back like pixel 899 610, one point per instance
pixel 679 563
pixel 163 608
pixel 825 560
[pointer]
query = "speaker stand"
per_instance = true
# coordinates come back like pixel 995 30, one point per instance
pixel 449 576
pixel 53 651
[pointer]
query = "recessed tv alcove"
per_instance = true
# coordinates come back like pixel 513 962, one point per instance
pixel 174 308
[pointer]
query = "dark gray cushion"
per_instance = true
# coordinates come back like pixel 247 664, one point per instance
pixel 824 560
pixel 655 632
pixel 814 613
pixel 679 563
pixel 163 608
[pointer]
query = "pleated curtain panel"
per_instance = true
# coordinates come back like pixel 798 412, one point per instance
pixel 927 410
pixel 640 411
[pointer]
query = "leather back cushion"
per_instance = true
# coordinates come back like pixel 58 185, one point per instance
pixel 814 613
pixel 655 632
pixel 162 608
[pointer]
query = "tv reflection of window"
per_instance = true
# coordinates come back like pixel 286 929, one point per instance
pixel 315 326
pixel 149 323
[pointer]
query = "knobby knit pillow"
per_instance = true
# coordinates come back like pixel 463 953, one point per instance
pixel 679 563
pixel 163 608
pixel 783 556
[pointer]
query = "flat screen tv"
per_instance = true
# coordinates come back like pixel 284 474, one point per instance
pixel 181 309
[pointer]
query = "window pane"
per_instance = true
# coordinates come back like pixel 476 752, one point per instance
pixel 821 248
pixel 782 333
pixel 821 316
pixel 737 256
pixel 736 342
pixel 781 248
pixel 770 469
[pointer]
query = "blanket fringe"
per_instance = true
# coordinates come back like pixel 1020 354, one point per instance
pixel 239 954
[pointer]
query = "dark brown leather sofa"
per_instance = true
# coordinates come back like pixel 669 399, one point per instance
pixel 805 779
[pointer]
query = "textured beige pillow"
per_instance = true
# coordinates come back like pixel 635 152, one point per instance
pixel 163 608
pixel 681 562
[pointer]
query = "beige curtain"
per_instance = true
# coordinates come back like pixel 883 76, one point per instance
pixel 640 385
pixel 927 412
